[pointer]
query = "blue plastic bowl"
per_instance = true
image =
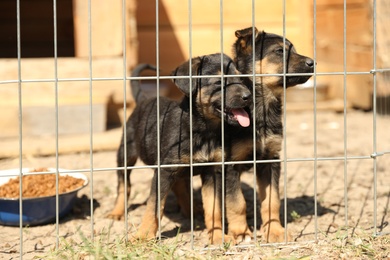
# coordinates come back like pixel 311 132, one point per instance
pixel 36 211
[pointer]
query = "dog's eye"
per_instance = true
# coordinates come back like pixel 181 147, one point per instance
pixel 218 83
pixel 279 50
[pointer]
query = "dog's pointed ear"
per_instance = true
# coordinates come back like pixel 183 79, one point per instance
pixel 245 39
pixel 184 70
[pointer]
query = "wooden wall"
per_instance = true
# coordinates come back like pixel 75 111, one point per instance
pixel 359 49
pixel 37 63
pixel 173 27
pixel 383 47
pixel 174 44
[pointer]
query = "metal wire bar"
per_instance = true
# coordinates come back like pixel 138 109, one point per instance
pixel 56 120
pixel 20 117
pixel 126 180
pixel 161 77
pixel 90 116
pixel 158 120
pixel 222 122
pixel 374 125
pixel 284 124
pixel 345 111
pixel 306 159
pixel 315 179
pixel 254 124
pixel 191 134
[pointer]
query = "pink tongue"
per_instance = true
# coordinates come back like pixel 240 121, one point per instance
pixel 241 116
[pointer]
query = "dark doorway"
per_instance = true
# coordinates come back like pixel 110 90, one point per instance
pixel 36 28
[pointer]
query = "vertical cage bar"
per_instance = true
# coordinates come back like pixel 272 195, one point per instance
pixel 191 135
pixel 158 120
pixel 222 123
pixel 56 118
pixel 254 122
pixel 20 118
pixel 284 123
pixel 315 119
pixel 345 111
pixel 90 114
pixel 124 64
pixel 374 117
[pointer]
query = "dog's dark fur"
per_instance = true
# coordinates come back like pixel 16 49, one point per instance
pixel 175 146
pixel 268 54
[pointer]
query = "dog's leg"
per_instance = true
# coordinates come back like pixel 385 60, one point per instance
pixel 212 206
pixel 149 224
pixel 236 206
pixel 119 209
pixel 268 183
pixel 182 188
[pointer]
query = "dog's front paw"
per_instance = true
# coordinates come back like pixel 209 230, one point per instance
pixel 142 239
pixel 273 232
pixel 215 238
pixel 142 235
pixel 115 215
pixel 242 234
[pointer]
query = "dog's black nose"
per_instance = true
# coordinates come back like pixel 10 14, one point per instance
pixel 246 96
pixel 309 62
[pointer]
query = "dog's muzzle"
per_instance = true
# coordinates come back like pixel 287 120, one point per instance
pixel 237 108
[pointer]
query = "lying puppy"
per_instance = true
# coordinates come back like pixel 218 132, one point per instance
pixel 269 59
pixel 175 132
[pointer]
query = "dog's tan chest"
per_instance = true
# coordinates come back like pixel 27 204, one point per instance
pixel 204 154
pixel 242 150
pixel 207 155
pixel 270 144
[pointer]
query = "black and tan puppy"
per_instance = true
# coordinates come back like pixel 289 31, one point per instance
pixel 209 108
pixel 181 186
pixel 269 55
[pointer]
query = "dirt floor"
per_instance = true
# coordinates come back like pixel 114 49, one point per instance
pixel 321 197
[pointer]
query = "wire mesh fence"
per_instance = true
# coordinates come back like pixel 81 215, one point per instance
pixel 333 164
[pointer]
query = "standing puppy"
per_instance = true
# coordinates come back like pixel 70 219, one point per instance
pixel 266 56
pixel 178 137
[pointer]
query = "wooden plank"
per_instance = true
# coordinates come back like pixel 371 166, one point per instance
pixel 336 105
pixel 46 145
pixel 359 91
pixel 234 12
pixel 383 48
pixel 358 58
pixel 359 88
pixel 72 119
pixel 174 29
pixel 106 26
pixel 43 68
pixel 9 123
pixel 131 34
pixel 68 68
pixel 39 112
pixel 330 48
pixel 359 26
pixel 339 3
pixel 38 98
pixel 174 45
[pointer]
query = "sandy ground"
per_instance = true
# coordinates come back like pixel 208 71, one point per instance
pixel 321 198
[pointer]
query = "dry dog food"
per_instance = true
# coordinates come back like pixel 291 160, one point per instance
pixel 39 185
